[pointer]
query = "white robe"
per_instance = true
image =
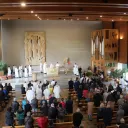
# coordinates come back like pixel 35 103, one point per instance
pixel 51 66
pixel 20 71
pixel 75 70
pixel 30 70
pixel 45 68
pixel 25 72
pixel 9 71
pixel 46 93
pixel 16 73
pixel 57 65
pixel 57 91
pixel 122 82
pixel 38 93
pixel 41 67
pixel 30 95
pixel 53 82
pixel 26 86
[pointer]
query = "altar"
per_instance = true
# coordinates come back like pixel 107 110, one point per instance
pixel 52 71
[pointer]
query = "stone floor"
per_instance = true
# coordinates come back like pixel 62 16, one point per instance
pixel 62 80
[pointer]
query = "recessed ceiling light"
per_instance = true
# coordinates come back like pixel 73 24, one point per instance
pixel 124 13
pixel 86 17
pixel 8 19
pixel 112 20
pixel 64 19
pixel 100 15
pixel 77 18
pixel 47 19
pixel 35 14
pixel 32 12
pixel 23 4
pixel 71 19
pixel 120 19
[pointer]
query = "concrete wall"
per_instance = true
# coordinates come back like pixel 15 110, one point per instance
pixel 63 39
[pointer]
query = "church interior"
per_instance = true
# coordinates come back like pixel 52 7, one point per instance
pixel 63 64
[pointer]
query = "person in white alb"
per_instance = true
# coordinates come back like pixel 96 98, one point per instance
pixel 25 72
pixel 45 68
pixel 9 71
pixel 30 70
pixel 75 69
pixel 16 72
pixel 57 91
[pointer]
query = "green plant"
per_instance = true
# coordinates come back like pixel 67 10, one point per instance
pixel 3 67
pixel 89 74
pixel 118 73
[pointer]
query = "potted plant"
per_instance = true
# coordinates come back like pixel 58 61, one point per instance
pixel 3 68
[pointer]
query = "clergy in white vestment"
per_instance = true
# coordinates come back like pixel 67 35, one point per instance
pixel 26 86
pixel 13 69
pixel 46 93
pixel 16 72
pixel 30 95
pixel 30 70
pixel 75 69
pixel 57 65
pixel 38 93
pixel 51 65
pixel 53 82
pixel 9 71
pixel 122 82
pixel 45 68
pixel 25 72
pixel 57 91
pixel 20 71
pixel 41 67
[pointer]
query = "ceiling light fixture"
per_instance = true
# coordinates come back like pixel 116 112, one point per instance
pixel 35 14
pixel 77 18
pixel 71 19
pixel 124 13
pixel 86 17
pixel 32 12
pixel 64 19
pixel 23 4
pixel 112 20
pixel 101 16
pixel 47 19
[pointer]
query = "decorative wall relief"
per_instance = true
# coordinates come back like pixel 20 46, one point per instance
pixel 35 48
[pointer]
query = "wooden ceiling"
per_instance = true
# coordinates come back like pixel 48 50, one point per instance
pixel 102 10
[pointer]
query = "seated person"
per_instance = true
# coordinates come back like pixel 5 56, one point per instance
pixel 123 124
pixel 29 121
pixel 23 90
pixel 34 104
pixel 15 105
pixel 27 108
pixel 24 102
pixel 2 96
pixel 70 84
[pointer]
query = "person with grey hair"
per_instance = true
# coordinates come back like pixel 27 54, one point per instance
pixel 77 118
pixel 29 121
pixel 120 114
pixel 15 105
pixel 121 100
pixel 122 123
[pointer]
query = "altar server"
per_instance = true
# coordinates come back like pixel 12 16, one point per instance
pixel 46 93
pixel 9 71
pixel 45 68
pixel 122 82
pixel 30 70
pixel 57 65
pixel 75 69
pixel 41 67
pixel 51 65
pixel 20 71
pixel 30 95
pixel 25 72
pixel 57 91
pixel 16 72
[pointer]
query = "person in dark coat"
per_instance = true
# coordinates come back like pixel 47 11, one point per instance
pixel 107 116
pixel 77 118
pixel 70 84
pixel 34 104
pixel 120 114
pixel 122 123
pixel 23 90
pixel 119 89
pixel 29 121
pixel 97 99
pixel 110 88
pixel 2 96
pixel 69 106
pixel 100 112
pixel 15 105
pixel 9 117
pixel 52 114
pixel 125 108
pixel 44 108
pixel 80 71
pixel 9 87
pixel 51 99
pixel 79 92
pixel 76 84
pixel 27 108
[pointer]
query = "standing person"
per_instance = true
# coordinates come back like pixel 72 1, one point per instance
pixel 34 104
pixel 25 72
pixel 39 93
pixel 95 69
pixel 105 95
pixel 100 111
pixel 16 72
pixel 76 84
pixel 57 91
pixel 23 90
pixel 69 106
pixel 120 114
pixel 70 84
pixel 79 92
pixel 30 95
pixel 41 67
pixel 80 71
pixel 107 115
pixel 45 68
pixel 30 70
pixel 20 116
pixel 97 99
pixel 29 121
pixel 24 102
pixel 77 118
pixel 9 117
pixel 57 66
pixel 46 93
pixel 27 108
pixel 20 71
pixel 9 71
pixel 15 105
pixel 44 108
pixel 75 70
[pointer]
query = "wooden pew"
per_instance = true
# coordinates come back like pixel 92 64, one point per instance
pixel 63 125
pixel 113 126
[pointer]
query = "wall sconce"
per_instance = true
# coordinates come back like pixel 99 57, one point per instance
pixel 121 37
